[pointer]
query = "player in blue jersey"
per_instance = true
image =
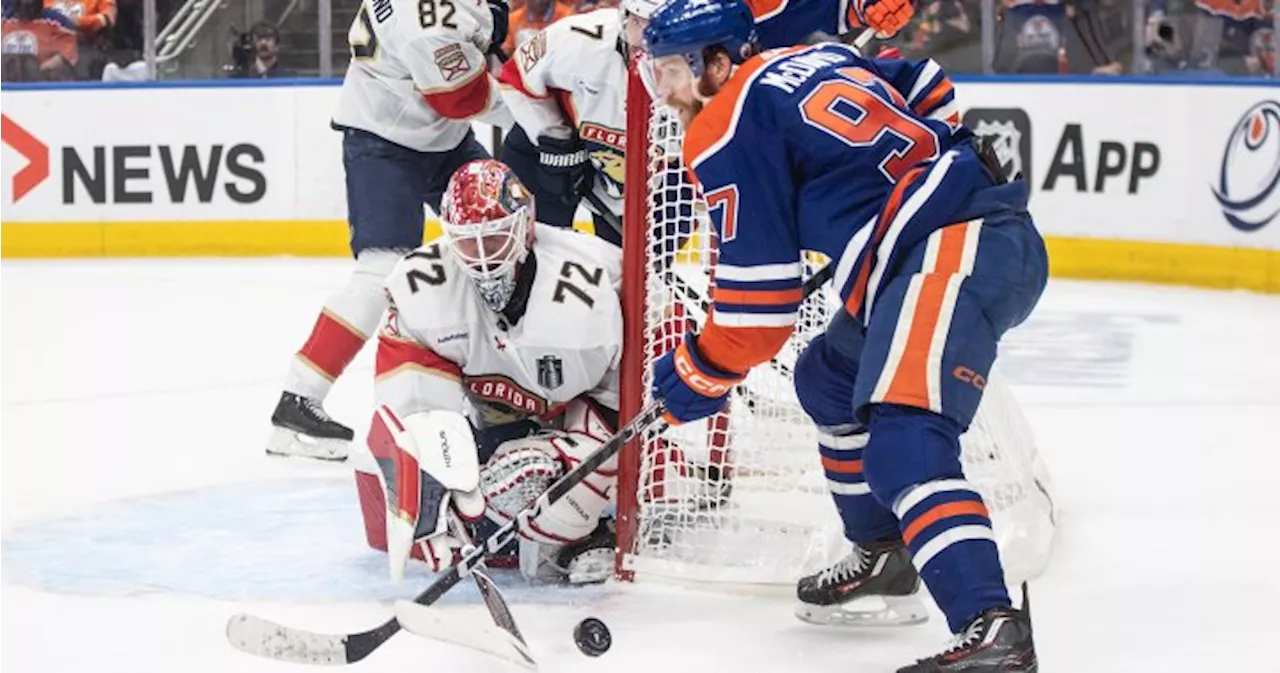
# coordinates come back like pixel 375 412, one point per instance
pixel 817 148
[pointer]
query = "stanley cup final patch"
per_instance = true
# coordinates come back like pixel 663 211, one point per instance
pixel 550 372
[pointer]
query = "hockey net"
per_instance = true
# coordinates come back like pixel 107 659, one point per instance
pixel 741 498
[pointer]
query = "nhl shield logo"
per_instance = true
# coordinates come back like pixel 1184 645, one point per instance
pixel 1005 139
pixel 1009 132
pixel 550 372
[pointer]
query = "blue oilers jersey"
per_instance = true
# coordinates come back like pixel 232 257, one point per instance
pixel 783 23
pixel 818 148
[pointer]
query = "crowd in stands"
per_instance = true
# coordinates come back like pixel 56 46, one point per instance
pixel 1193 37
pixel 256 54
pixel 58 40
pixel 50 40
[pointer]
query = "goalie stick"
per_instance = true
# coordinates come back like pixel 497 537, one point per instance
pixel 502 639
pixel 264 638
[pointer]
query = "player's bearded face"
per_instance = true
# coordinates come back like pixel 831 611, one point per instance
pixel 675 83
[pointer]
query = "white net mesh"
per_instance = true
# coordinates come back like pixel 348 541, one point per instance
pixel 741 497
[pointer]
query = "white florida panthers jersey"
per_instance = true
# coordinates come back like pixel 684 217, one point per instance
pixel 573 76
pixel 418 72
pixel 441 347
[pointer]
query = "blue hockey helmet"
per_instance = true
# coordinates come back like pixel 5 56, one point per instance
pixel 686 27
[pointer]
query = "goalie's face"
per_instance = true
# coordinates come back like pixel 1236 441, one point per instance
pixel 488 220
pixel 489 248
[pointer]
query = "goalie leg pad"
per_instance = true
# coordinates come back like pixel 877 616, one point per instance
pixel 428 468
pixel 912 463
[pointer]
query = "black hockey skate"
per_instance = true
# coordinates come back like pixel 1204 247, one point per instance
pixel 875 585
pixel 302 428
pixel 997 641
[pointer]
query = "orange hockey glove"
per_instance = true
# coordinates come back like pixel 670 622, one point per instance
pixel 886 16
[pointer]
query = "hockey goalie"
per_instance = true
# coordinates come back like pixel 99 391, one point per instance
pixel 496 373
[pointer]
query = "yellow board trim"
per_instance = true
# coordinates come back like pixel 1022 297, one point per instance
pixel 1167 263
pixel 1097 259
pixel 235 238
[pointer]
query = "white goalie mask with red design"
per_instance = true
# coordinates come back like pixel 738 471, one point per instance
pixel 488 220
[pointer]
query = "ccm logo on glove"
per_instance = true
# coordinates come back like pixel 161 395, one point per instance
pixel 696 379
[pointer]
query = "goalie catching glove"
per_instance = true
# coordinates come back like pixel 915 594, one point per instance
pixel 431 476
pixel 522 469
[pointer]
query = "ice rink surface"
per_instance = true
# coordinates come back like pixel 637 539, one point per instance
pixel 139 511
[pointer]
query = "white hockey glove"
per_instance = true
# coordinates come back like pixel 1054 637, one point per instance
pixel 522 469
pixel 429 470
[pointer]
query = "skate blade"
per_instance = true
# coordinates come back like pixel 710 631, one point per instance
pixel 286 442
pixel 872 611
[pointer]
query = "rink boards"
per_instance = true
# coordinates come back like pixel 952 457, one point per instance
pixel 1131 179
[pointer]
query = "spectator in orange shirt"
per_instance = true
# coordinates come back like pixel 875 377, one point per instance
pixel 35 46
pixel 584 6
pixel 92 16
pixel 533 17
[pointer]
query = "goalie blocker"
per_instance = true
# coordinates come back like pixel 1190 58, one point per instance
pixel 426 473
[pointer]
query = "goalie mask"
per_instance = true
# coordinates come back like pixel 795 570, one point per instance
pixel 488 220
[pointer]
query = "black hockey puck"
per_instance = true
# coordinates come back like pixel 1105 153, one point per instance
pixel 592 637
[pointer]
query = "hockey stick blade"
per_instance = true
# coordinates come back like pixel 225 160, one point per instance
pixel 268 639
pixel 264 638
pixel 436 624
pixel 502 639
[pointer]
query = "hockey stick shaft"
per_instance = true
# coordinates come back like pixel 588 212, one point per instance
pixel 864 38
pixel 598 206
pixel 263 638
